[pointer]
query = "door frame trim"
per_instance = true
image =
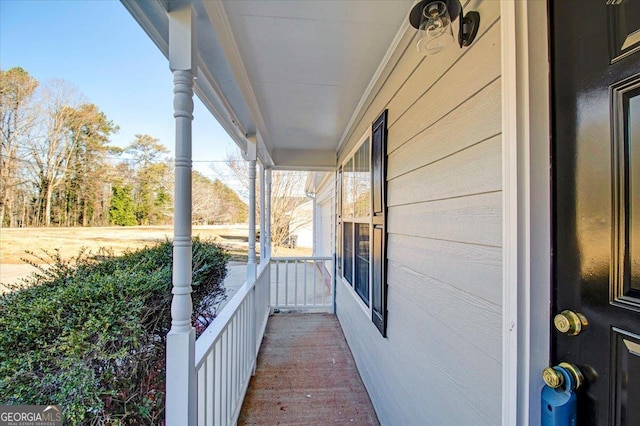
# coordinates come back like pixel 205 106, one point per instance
pixel 526 131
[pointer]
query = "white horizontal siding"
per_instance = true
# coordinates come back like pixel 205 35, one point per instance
pixel 441 361
pixel 414 384
pixel 474 170
pixel 474 220
pixel 466 77
pixel 447 136
pixel 470 268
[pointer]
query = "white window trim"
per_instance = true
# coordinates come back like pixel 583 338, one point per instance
pixel 368 310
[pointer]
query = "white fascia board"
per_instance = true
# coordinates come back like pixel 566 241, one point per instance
pixel 154 20
pixel 156 29
pixel 211 96
pixel 222 26
pixel 263 153
pixel 316 179
pixel 324 177
pixel 309 186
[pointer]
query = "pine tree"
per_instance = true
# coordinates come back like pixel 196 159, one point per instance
pixel 122 209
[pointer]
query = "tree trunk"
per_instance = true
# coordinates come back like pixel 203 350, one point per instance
pixel 2 210
pixel 9 211
pixel 47 205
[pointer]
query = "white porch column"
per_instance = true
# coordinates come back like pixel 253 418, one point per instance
pixel 267 214
pixel 251 157
pixel 263 249
pixel 181 379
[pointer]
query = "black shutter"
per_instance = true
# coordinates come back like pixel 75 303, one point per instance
pixel 379 234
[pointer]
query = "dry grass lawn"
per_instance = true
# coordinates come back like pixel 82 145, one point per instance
pixel 15 242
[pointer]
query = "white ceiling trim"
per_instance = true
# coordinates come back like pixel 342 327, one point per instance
pixel 211 96
pixel 222 26
pixel 135 9
pixel 205 86
pixel 311 159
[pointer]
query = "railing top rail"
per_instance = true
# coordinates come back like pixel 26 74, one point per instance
pixel 285 258
pixel 221 322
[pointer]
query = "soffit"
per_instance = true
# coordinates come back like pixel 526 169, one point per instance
pixel 291 72
pixel 309 62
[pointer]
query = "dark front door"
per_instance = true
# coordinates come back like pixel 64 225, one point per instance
pixel 596 208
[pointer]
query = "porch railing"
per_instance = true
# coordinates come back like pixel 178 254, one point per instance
pixel 302 283
pixel 227 350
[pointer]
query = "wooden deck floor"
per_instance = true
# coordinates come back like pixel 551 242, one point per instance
pixel 306 375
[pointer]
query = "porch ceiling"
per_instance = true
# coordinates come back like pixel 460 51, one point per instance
pixel 291 72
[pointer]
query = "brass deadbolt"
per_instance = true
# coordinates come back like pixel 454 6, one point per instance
pixel 552 378
pixel 570 323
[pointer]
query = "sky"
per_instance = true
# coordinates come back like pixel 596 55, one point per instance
pixel 99 48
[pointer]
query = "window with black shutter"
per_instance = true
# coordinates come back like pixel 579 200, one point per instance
pixel 361 220
pixel 378 221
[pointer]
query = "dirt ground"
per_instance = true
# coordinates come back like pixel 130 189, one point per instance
pixel 15 242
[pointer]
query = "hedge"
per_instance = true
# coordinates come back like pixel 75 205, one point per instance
pixel 88 334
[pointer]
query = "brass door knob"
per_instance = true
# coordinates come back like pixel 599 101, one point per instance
pixel 575 372
pixel 570 323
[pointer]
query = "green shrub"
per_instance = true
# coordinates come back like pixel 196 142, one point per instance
pixel 89 333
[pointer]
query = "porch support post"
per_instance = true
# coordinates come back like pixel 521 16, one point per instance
pixel 181 394
pixel 251 157
pixel 267 214
pixel 263 250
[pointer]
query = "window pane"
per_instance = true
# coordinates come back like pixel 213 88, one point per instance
pixel 348 252
pixel 354 184
pixel 347 190
pixel 362 261
pixel 362 181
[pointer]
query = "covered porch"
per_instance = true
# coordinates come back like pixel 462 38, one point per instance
pixel 306 374
pixel 277 354
pixel 416 199
pixel 285 112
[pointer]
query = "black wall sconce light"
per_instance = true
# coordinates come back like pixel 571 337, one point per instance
pixel 433 20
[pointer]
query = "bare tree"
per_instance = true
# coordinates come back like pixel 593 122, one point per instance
pixel 214 202
pixel 52 147
pixel 287 200
pixel 17 118
pixel 287 196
